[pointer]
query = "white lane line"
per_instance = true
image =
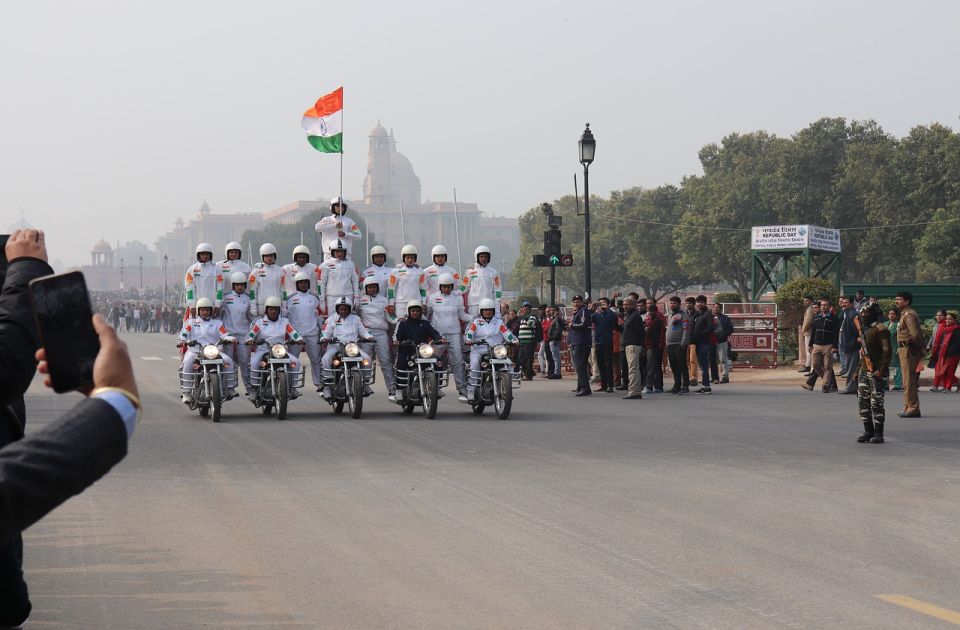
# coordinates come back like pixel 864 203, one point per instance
pixel 178 358
pixel 151 359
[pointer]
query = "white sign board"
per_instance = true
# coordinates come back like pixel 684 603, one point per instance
pixel 771 237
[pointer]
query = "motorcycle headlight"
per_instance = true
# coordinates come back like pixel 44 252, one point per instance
pixel 500 352
pixel 351 349
pixel 425 351
pixel 210 352
pixel 278 351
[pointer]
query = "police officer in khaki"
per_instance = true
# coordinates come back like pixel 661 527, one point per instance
pixel 910 352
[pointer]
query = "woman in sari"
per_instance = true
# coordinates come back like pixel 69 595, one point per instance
pixel 946 349
pixel 896 377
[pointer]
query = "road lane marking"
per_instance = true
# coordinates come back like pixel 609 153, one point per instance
pixel 176 357
pixel 151 359
pixel 944 614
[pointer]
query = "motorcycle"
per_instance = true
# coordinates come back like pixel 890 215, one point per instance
pixel 494 382
pixel 274 383
pixel 349 378
pixel 422 383
pixel 208 382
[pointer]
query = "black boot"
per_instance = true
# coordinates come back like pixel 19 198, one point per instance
pixel 877 434
pixel 868 432
pixel 811 381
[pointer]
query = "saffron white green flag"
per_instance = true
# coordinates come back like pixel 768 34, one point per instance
pixel 324 123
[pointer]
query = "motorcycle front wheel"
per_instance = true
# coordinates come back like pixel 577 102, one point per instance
pixel 283 393
pixel 430 395
pixel 215 398
pixel 504 399
pixel 356 394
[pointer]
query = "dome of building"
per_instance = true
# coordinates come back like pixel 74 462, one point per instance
pixel 378 131
pixel 102 247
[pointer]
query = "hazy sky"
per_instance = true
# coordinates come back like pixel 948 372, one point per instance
pixel 116 117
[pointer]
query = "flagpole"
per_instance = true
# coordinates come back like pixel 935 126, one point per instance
pixel 456 224
pixel 403 226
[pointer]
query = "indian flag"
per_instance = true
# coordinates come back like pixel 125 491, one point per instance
pixel 324 123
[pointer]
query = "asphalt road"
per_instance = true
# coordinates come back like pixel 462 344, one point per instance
pixel 750 508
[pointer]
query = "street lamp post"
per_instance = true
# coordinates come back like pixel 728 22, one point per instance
pixel 164 280
pixel 588 147
pixel 141 275
pixel 121 274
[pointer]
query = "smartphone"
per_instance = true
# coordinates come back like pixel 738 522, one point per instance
pixel 61 306
pixel 3 255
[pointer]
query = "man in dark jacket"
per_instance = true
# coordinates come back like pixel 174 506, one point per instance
pixel 702 335
pixel 555 337
pixel 849 344
pixel 19 340
pixel 604 323
pixel 579 339
pixel 631 344
pixel 654 340
pixel 823 343
pixel 528 332
pixel 725 325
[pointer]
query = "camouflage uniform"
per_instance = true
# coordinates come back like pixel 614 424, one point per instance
pixel 875 344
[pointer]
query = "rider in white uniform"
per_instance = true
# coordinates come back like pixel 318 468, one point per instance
pixel 487 329
pixel 445 312
pixel 303 311
pixel 232 264
pixel 373 314
pixel 481 282
pixel 338 278
pixel 203 279
pixel 439 267
pixel 337 225
pixel 343 327
pixel 301 262
pixel 407 281
pixel 378 269
pixel 235 313
pixel 204 330
pixel 267 331
pixel 266 281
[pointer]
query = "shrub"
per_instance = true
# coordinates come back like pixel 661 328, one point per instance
pixel 727 297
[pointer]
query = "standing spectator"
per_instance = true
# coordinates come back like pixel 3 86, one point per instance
pixel 691 305
pixel 136 318
pixel 128 317
pixel 619 378
pixel 946 354
pixel 115 316
pixel 632 347
pixel 604 323
pixel 938 318
pixel 824 333
pixel 678 340
pixel 555 335
pixel 896 378
pixel 858 300
pixel 910 349
pixel 545 356
pixel 654 340
pixel 702 336
pixel 578 340
pixel 849 345
pixel 528 331
pixel 808 305
pixel 725 325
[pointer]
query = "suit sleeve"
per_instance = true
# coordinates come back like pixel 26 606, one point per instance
pixel 19 339
pixel 46 468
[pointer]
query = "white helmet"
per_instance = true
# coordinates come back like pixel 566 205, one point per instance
pixel 338 201
pixel 414 304
pixel 232 245
pixel 378 250
pixel 267 249
pixel 273 301
pixel 408 250
pixel 445 278
pixel 300 275
pixel 204 248
pixel 238 277
pixel 204 303
pixel 483 249
pixel 438 250
pixel 487 303
pixel 337 244
pixel 301 249
pixel 342 301
pixel 371 281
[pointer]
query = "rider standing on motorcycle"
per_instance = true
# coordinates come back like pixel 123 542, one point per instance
pixel 344 327
pixel 301 262
pixel 407 280
pixel 486 329
pixel 337 225
pixel 378 269
pixel 266 281
pixel 232 264
pixel 373 314
pixel 338 278
pixel 416 329
pixel 445 312
pixel 201 331
pixel 437 269
pixel 203 279
pixel 303 311
pixel 271 329
pixel 481 282
pixel 235 312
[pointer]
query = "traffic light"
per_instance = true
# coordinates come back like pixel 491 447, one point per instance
pixel 552 243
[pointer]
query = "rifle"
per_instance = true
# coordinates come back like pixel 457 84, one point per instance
pixel 865 356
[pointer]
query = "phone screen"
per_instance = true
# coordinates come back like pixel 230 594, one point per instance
pixel 3 255
pixel 62 309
